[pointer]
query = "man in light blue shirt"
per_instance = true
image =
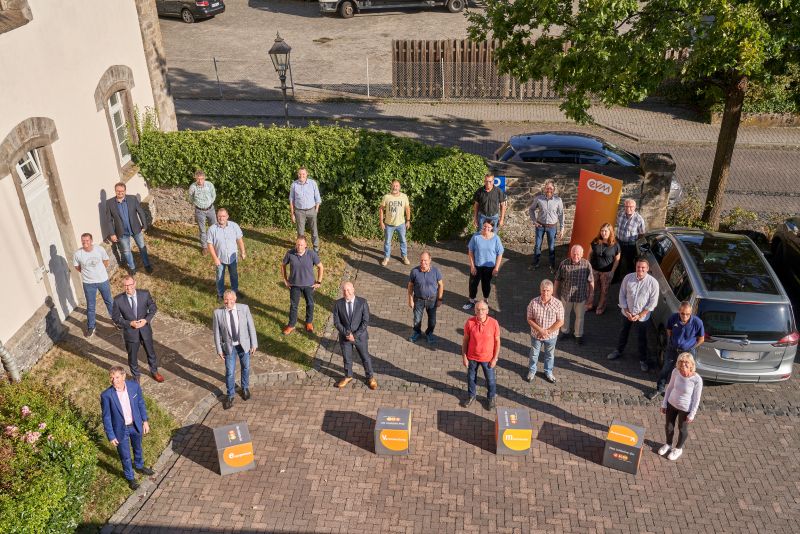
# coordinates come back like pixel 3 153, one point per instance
pixel 202 194
pixel 304 201
pixel 222 240
pixel 92 262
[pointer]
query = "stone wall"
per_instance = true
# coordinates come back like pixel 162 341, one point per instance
pixel 172 204
pixel 35 338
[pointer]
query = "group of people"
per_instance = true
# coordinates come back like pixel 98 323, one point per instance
pixel 576 283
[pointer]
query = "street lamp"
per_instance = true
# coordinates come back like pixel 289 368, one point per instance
pixel 279 53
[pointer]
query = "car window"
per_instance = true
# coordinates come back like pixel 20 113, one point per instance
pixel 622 157
pixel 756 322
pixel 559 156
pixel 679 282
pixel 660 245
pixel 590 158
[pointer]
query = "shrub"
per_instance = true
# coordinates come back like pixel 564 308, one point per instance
pixel 252 169
pixel 47 460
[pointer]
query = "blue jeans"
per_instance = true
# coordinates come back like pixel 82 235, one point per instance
pixel 230 369
pixel 541 232
pixel 387 239
pixel 294 302
pixel 549 346
pixel 421 305
pixel 494 218
pixel 131 438
pixel 233 272
pixel 90 292
pixel 125 246
pixel 472 378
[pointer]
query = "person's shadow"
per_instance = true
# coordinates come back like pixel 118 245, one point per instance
pixel 59 269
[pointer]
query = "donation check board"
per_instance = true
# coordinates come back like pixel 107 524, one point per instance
pixel 513 431
pixel 393 431
pixel 624 447
pixel 234 448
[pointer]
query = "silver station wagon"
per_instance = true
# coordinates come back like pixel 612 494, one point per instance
pixel 750 331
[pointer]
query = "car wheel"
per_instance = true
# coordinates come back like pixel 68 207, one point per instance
pixel 455 6
pixel 187 16
pixel 347 10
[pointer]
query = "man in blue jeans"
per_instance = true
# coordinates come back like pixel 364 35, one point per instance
pixel 685 332
pixel 395 214
pixel 126 218
pixel 234 337
pixel 489 203
pixel 300 280
pixel 425 292
pixel 92 262
pixel 545 317
pixel 223 238
pixel 481 348
pixel 547 214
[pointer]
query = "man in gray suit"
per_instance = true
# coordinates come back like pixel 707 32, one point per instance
pixel 234 335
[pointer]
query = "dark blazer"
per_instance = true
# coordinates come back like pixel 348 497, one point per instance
pixel 357 325
pixel 123 314
pixel 113 420
pixel 136 216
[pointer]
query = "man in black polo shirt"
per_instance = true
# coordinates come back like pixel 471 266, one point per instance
pixel 425 292
pixel 490 204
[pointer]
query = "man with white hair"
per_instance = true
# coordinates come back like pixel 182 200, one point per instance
pixel 351 319
pixel 630 225
pixel 575 288
pixel 545 316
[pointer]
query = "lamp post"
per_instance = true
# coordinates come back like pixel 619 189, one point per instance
pixel 279 53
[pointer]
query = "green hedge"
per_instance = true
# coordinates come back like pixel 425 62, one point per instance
pixel 47 460
pixel 252 169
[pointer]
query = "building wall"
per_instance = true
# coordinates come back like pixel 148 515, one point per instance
pixel 50 67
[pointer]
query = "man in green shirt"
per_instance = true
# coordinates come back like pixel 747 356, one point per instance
pixel 395 214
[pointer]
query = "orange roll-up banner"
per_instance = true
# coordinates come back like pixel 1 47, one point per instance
pixel 598 203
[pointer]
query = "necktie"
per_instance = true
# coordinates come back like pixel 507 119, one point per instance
pixel 234 331
pixel 349 311
pixel 132 300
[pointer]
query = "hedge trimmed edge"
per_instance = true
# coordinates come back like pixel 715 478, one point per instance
pixel 252 169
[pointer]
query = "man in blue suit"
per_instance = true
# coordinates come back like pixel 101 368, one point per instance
pixel 125 422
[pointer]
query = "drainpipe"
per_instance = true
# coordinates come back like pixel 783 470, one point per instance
pixel 9 363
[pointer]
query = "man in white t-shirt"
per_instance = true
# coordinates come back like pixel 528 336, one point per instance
pixel 92 263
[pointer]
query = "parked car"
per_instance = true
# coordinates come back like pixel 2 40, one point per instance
pixel 348 8
pixel 190 11
pixel 571 148
pixel 750 330
pixel 785 247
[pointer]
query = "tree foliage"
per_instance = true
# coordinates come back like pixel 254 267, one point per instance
pixel 618 52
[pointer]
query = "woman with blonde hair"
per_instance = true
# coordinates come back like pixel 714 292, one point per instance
pixel 681 400
pixel 604 257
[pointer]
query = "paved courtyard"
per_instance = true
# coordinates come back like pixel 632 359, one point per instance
pixel 316 471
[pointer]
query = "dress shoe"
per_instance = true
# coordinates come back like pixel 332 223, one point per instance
pixel 492 403
pixel 158 377
pixel 146 471
pixel 579 340
pixel 149 269
pixel 466 403
pixel 372 383
pixel 227 403
pixel 246 394
pixel 89 332
pixel 287 330
pixel 310 327
pixel 344 381
pixel 132 484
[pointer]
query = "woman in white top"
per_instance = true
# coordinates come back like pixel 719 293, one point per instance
pixel 681 400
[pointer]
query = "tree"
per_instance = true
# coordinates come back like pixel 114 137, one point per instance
pixel 618 51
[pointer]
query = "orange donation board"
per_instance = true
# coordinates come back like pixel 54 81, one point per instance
pixel 623 449
pixel 598 203
pixel 393 431
pixel 234 448
pixel 513 431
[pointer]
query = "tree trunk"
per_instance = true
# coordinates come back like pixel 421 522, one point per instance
pixel 726 141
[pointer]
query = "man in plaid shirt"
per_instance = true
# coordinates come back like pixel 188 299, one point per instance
pixel 575 288
pixel 630 225
pixel 545 317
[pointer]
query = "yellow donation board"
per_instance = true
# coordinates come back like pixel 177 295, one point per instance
pixel 513 431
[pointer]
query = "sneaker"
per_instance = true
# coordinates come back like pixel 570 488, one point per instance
pixel 468 306
pixel 466 403
pixel 406 261
pixel 492 403
pixel 550 378
pixel 132 484
pixel 644 367
pixel 385 262
pixel 614 355
pixel 145 471
pixel 430 338
pixel 414 337
pixel 90 332
pixel 664 449
pixel 530 377
pixel 552 269
pixel 654 395
pixel 674 454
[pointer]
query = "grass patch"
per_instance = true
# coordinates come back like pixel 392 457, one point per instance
pixel 183 284
pixel 82 382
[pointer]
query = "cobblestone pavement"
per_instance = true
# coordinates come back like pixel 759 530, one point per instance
pixel 316 471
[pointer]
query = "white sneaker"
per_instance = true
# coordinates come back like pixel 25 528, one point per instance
pixel 664 449
pixel 674 454
pixel 468 306
pixel 385 262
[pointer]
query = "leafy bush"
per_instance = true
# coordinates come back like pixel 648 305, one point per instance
pixel 47 460
pixel 253 168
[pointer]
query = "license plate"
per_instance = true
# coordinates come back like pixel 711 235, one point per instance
pixel 215 4
pixel 741 356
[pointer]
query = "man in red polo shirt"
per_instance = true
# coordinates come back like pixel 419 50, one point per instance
pixel 481 347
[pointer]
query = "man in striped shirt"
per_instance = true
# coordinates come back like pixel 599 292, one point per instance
pixel 630 225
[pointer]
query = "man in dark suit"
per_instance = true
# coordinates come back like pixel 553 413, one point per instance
pixel 125 422
pixel 126 219
pixel 351 318
pixel 133 312
pixel 234 335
